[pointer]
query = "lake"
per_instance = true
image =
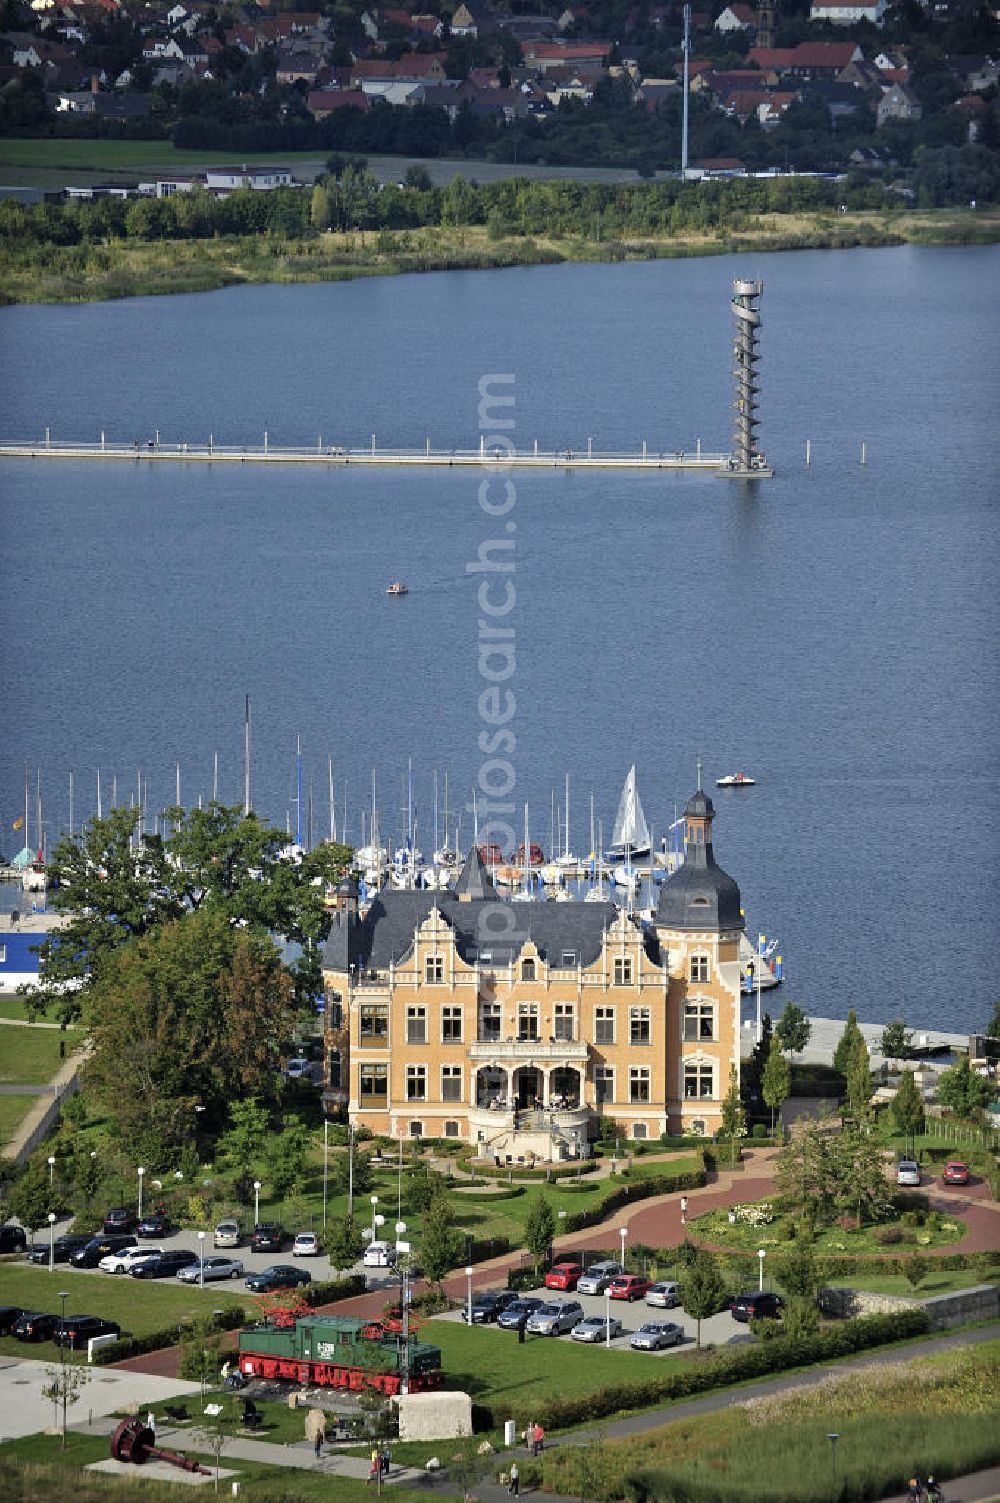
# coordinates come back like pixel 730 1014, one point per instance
pixel 833 631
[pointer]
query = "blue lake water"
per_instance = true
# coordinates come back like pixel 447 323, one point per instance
pixel 834 633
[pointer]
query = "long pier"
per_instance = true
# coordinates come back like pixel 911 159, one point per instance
pixel 155 451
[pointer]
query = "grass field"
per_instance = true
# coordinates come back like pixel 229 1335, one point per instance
pixel 13 1110
pixel 13 1007
pixel 137 1306
pixel 30 1056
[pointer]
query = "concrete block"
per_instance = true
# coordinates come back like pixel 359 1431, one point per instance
pixel 434 1416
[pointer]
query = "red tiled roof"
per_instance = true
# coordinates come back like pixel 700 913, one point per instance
pixel 325 101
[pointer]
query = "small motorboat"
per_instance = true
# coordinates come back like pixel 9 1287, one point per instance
pixel 736 780
pixel 398 588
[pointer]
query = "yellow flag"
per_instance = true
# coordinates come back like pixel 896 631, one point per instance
pixel 18 824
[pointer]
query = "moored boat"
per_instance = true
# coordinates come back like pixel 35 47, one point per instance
pixel 736 780
pixel 398 588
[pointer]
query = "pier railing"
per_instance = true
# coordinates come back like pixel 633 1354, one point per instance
pixel 157 450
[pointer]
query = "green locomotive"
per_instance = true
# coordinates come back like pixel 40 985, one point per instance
pixel 338 1351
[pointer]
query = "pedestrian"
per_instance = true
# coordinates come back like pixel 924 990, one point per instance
pixel 520 1330
pixel 539 1435
pixel 318 1442
pixel 386 1458
pixel 914 1491
pixel 684 1210
pixel 515 1480
pixel 151 1424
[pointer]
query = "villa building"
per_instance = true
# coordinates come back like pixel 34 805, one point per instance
pixel 517 1026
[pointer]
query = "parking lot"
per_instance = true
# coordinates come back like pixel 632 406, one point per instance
pixel 718 1329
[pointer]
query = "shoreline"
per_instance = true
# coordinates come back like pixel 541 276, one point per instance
pixel 122 269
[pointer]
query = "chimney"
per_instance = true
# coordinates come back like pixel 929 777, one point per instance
pixel 95 87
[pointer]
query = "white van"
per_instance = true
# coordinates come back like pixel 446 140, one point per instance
pixel 379 1255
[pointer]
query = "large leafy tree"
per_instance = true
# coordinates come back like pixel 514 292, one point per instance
pixel 860 1171
pixel 806 1171
pixel 962 1091
pixel 907 1109
pixel 116 885
pixel 859 1080
pixel 847 1043
pixel 189 1015
pixel 539 1230
pixel 794 1029
pixel 440 1246
pixel 342 1243
pixel 776 1085
pixel 733 1124
pixel 896 1041
pixel 701 1289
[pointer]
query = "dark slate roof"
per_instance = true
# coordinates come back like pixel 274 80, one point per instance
pixel 699 805
pixel 474 881
pixel 699 895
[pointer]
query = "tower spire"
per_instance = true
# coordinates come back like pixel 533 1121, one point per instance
pixel 698 764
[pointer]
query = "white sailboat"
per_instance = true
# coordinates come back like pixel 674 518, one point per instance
pixel 566 858
pixel 630 837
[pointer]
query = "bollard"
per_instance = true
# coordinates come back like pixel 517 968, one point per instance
pixel 808 451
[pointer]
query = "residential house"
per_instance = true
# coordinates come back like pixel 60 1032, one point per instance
pixel 736 18
pixel 225 180
pixel 545 56
pixel 975 74
pixel 898 103
pixel 808 59
pixel 848 12
pixel 297 67
pixel 838 99
pixel 323 102
pixel 517 1028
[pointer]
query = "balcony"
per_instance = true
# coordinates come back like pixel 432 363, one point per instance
pixel 530 1051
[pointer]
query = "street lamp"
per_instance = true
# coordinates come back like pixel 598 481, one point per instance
pixel 374 1204
pixel 201 1259
pixel 326 1162
pixel 756 970
pixel 52 1166
pixel 52 1245
pixel 140 1171
pixel 256 1202
pixel 607 1315
pixel 623 1233
pixel 468 1293
pixel 833 1438
pixel 761 1255
pixel 64 1296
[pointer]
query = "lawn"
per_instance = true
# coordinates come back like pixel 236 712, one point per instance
pixel 13 1109
pixel 125 156
pixel 715 1228
pixel 137 1306
pixel 30 1056
pixel 934 1415
pixel 13 1007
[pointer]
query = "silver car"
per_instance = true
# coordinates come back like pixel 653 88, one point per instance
pixel 227 1233
pixel 655 1335
pixel 211 1268
pixel 125 1258
pixel 663 1296
pixel 907 1172
pixel 597 1328
pixel 597 1278
pixel 555 1317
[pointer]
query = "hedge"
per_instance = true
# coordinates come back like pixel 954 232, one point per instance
pixel 735 1365
pixel 324 1292
pixel 511 1193
pixel 874 1265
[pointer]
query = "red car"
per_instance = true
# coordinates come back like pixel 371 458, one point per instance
pixel 629 1286
pixel 563 1276
pixel 956 1173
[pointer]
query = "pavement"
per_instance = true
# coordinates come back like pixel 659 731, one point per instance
pixel 23 1411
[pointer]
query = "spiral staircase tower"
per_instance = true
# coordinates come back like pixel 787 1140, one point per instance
pixel 747 458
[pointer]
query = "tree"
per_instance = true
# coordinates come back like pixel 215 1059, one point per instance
pixel 702 1288
pixel 915 1270
pixel 805 1170
pixel 31 1198
pixel 753 1068
pixel 859 1080
pixel 539 1230
pixel 844 1051
pixel 860 1172
pixel 439 1245
pixel 200 1353
pixel 243 1144
pixel 907 1109
pixel 215 1431
pixel 962 1091
pixel 64 1385
pixel 793 1029
pixel 342 1243
pixel 897 1040
pixel 992 1029
pixel 797 1269
pixel 286 1156
pixel 733 1125
pixel 191 1014
pixel 363 1173
pixel 776 1084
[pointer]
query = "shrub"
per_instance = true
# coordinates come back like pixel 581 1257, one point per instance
pixel 888 1234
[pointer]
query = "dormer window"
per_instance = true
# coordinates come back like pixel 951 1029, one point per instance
pixel 527 970
pixel 569 958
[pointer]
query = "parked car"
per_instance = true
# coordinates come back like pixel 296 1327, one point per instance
pixel 956 1173
pixel 555 1317
pixel 596 1327
pixel 12 1238
pixel 278 1276
pixel 125 1259
pixel 298 1069
pixel 597 1277
pixel 907 1172
pixel 34 1325
pixel 518 1313
pixel 98 1247
pixel 379 1255
pixel 77 1330
pixel 63 1248
pixel 163 1265
pixel 120 1219
pixel 663 1296
pixel 9 1316
pixel 157 1225
pixel 757 1306
pixel 654 1335
pixel 488 1305
pixel 306 1245
pixel 268 1236
pixel 214 1268
pixel 629 1286
pixel 227 1233
pixel 563 1276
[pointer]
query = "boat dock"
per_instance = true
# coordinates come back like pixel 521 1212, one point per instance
pixel 587 457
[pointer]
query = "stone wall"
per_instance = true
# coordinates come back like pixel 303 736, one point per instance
pixel 434 1416
pixel 943 1310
